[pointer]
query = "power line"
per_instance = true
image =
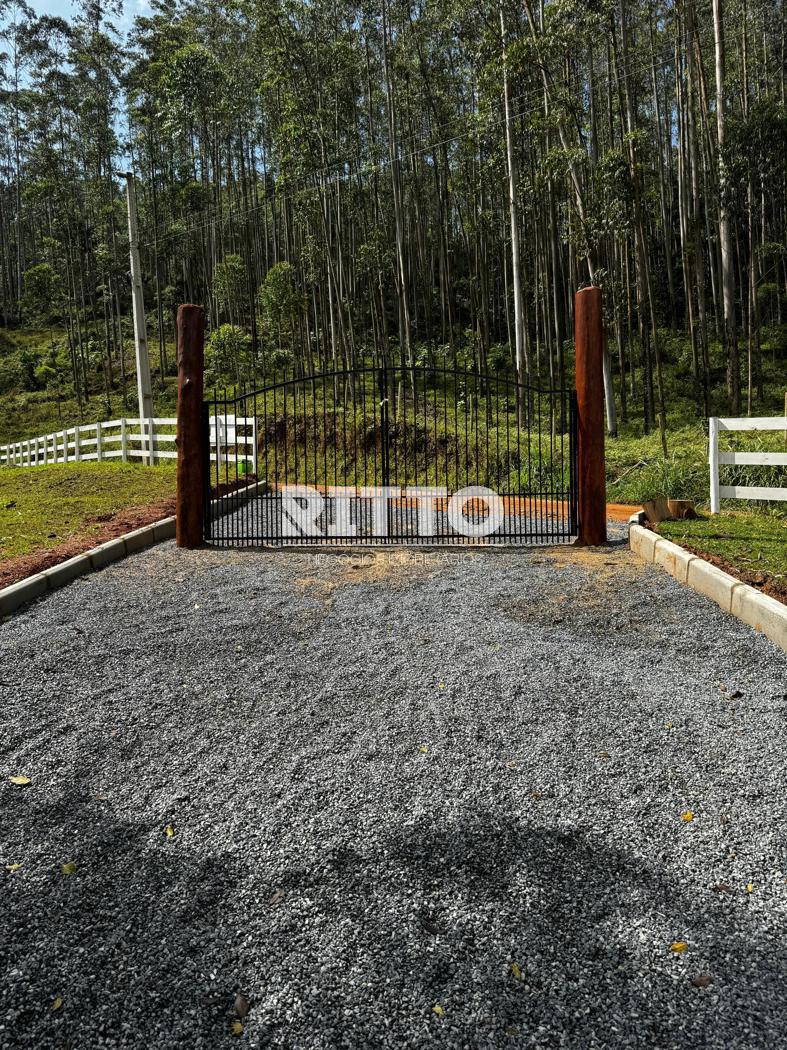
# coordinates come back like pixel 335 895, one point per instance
pixel 326 176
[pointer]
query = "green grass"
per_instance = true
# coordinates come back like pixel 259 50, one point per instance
pixel 40 507
pixel 749 542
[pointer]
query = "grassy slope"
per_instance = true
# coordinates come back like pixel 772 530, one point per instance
pixel 41 507
pixel 750 542
pixel 25 414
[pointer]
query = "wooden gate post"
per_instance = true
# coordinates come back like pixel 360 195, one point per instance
pixel 190 437
pixel 591 474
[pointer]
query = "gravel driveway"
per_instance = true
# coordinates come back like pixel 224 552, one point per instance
pixel 425 800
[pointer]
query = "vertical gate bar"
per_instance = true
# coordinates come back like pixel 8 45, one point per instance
pixel 540 471
pixel 277 501
pixel 247 465
pixel 487 421
pixel 269 504
pixel 476 431
pixel 325 433
pixel 344 429
pixel 457 431
pixel 527 486
pixel 497 443
pixel 225 445
pixel 334 480
pixel 234 500
pixel 376 387
pixel 296 476
pixel 467 398
pixel 550 519
pixel 391 401
pixel 305 424
pixel 255 509
pixel 507 419
pixel 315 432
pixel 205 426
pixel 364 439
pixel 285 428
pixel 218 437
pixel 216 446
pixel 354 392
pixel 446 451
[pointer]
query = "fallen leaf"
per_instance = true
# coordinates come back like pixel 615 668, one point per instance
pixel 441 685
pixel 277 897
pixel 423 749
pixel 237 1028
pixel 13 867
pixel 722 887
pixel 687 816
pixel 750 887
pixel 669 725
pixel 169 831
pixel 512 765
pixel 57 1004
pixel 678 947
pixel 69 868
pixel 21 781
pixel 437 1009
pixel 429 925
pixel 702 980
pixel 516 971
pixel 241 1005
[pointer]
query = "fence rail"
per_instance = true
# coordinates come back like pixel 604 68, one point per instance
pixel 750 459
pixel 128 439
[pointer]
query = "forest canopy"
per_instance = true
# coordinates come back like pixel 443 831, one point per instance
pixel 423 180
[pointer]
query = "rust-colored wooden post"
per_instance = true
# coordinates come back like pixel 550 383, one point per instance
pixel 591 474
pixel 190 437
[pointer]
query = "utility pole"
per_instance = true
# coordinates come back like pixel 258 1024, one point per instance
pixel 144 390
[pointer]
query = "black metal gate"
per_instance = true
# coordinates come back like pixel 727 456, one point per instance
pixel 391 455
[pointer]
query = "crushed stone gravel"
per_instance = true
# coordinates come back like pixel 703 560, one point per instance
pixel 415 799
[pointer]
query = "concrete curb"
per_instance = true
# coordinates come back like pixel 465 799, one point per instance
pixel 24 591
pixel 50 579
pixel 757 610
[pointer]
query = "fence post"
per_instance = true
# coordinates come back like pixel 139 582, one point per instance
pixel 123 441
pixel 591 472
pixel 713 462
pixel 190 479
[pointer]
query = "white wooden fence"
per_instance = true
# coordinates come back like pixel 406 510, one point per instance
pixel 750 459
pixel 127 439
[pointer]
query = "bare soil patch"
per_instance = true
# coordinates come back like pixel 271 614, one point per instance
pixel 96 530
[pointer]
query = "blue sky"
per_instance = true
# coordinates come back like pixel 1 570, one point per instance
pixel 65 9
